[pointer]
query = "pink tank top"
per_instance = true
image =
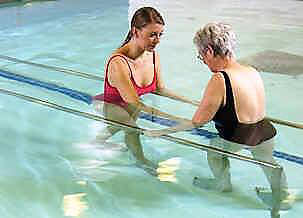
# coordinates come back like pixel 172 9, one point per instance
pixel 112 95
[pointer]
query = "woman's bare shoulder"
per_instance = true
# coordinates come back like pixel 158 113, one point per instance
pixel 117 58
pixel 247 68
pixel 216 81
pixel 217 76
pixel 117 66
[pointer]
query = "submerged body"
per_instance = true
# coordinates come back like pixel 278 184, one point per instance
pixel 131 71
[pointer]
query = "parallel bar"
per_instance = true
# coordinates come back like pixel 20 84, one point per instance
pixel 93 77
pixel 219 151
pixel 69 110
pixel 162 121
pixel 137 129
pixel 60 69
pixel 285 123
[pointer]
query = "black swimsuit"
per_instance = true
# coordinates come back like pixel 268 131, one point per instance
pixel 231 129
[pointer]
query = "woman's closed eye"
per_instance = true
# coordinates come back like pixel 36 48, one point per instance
pixel 155 34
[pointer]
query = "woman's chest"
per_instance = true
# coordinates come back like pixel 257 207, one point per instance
pixel 142 73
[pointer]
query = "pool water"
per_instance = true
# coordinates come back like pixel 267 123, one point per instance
pixel 49 165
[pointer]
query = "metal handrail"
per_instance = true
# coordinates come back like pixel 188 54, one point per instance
pixel 59 69
pixel 99 78
pixel 137 129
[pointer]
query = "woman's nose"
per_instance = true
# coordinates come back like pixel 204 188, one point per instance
pixel 157 38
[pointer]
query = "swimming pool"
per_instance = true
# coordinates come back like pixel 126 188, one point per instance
pixel 48 163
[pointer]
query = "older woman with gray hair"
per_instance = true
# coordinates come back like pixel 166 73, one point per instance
pixel 235 100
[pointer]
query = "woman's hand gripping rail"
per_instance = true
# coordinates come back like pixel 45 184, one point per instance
pixel 136 108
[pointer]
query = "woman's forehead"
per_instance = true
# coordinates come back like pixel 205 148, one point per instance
pixel 154 27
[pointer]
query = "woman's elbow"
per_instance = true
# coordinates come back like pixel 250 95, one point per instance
pixel 196 122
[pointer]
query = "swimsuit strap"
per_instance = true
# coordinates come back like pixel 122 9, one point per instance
pixel 230 103
pixel 154 61
pixel 118 55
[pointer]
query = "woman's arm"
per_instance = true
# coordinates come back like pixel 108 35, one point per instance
pixel 119 77
pixel 180 127
pixel 211 101
pixel 137 107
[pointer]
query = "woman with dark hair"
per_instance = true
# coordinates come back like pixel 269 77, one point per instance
pixel 131 71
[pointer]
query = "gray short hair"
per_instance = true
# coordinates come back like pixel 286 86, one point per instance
pixel 217 35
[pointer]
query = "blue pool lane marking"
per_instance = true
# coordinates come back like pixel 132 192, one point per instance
pixel 53 87
pixel 289 157
pixel 88 99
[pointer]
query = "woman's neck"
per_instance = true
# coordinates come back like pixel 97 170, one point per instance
pixel 225 63
pixel 132 50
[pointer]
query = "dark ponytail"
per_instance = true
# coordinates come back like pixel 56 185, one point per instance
pixel 128 38
pixel 141 18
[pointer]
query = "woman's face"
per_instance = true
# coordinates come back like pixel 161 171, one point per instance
pixel 202 54
pixel 149 36
pixel 206 55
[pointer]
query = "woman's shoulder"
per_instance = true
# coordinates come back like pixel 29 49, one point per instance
pixel 247 68
pixel 218 76
pixel 217 79
pixel 117 63
pixel 240 69
pixel 116 54
pixel 117 58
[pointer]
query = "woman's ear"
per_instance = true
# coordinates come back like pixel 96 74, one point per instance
pixel 135 32
pixel 209 50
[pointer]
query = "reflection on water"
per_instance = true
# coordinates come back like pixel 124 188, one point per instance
pixel 74 205
pixel 83 183
pixel 99 162
pixel 167 170
pixel 167 177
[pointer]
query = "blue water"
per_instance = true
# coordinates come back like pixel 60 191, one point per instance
pixel 49 164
